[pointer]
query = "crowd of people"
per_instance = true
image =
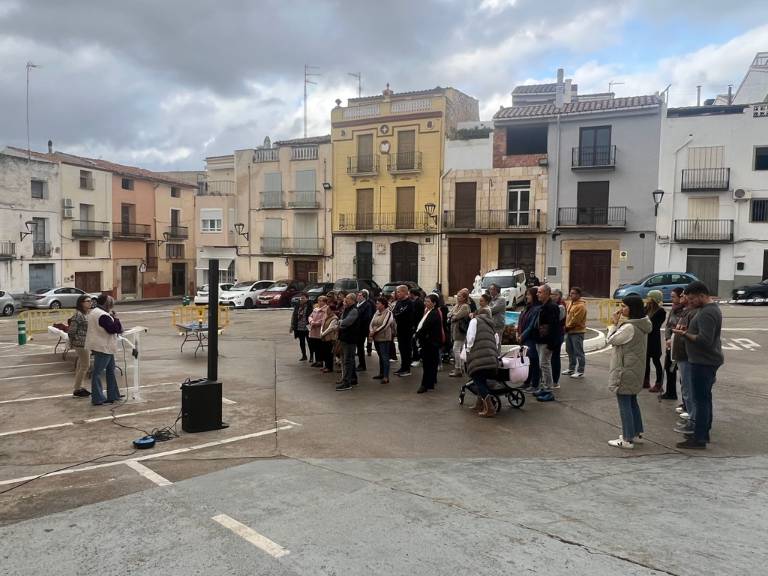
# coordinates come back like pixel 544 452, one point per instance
pixel 340 330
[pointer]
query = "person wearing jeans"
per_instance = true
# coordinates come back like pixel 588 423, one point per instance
pixel 381 331
pixel 103 330
pixel 575 327
pixel 547 338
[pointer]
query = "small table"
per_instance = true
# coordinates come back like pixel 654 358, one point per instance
pixel 194 331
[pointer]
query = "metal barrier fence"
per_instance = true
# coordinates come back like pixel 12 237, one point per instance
pixel 606 309
pixel 38 320
pixel 197 314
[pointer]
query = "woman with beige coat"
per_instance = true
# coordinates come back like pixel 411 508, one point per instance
pixel 459 319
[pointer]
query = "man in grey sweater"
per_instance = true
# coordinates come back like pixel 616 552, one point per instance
pixel 705 356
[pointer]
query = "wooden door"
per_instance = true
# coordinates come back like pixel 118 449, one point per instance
pixel 88 281
pixel 364 216
pixel 465 205
pixel 404 262
pixel 305 271
pixel 178 278
pixel 517 253
pixel 463 263
pixel 704 263
pixel 128 276
pixel 590 270
pixel 364 260
pixel 406 198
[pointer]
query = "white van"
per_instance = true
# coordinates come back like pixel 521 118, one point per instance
pixel 511 282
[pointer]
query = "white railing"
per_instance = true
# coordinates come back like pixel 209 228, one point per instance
pixel 266 155
pixel 412 105
pixel 361 111
pixel 760 111
pixel 304 153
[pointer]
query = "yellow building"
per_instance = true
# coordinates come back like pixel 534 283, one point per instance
pixel 387 165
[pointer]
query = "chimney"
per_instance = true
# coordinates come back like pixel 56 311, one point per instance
pixel 559 89
pixel 560 75
pixel 50 146
pixel 567 90
pixel 730 94
pixel 698 95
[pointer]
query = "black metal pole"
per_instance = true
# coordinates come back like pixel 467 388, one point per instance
pixel 213 320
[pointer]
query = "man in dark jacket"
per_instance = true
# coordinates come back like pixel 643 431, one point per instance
pixel 547 338
pixel 349 331
pixel 365 309
pixel 532 280
pixel 417 298
pixel 405 319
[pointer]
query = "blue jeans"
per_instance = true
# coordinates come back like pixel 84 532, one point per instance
pixel 574 346
pixel 534 375
pixel 382 349
pixel 631 420
pixel 702 379
pixel 103 362
pixel 480 379
pixel 349 372
pixel 686 391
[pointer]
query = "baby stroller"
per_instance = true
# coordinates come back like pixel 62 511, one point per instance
pixel 512 371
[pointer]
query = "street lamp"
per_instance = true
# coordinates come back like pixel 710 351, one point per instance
pixel 31 229
pixel 429 209
pixel 239 229
pixel 166 237
pixel 658 195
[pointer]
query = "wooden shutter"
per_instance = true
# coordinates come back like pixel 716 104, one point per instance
pixel 364 209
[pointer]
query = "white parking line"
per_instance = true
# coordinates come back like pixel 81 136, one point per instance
pixel 36 375
pixel 148 473
pixel 250 535
pixel 227 401
pixel 69 395
pixel 12 432
pixel 40 364
pixel 150 456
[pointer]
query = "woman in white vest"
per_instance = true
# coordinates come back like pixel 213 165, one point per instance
pixel 101 339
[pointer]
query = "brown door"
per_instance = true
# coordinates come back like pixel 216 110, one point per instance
pixel 365 153
pixel 406 149
pixel 406 198
pixel 465 204
pixel 404 262
pixel 463 263
pixel 364 217
pixel 88 281
pixel 517 253
pixel 591 271
pixel 305 271
pixel 128 276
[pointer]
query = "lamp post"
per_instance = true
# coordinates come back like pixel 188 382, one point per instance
pixel 429 209
pixel 658 195
pixel 239 227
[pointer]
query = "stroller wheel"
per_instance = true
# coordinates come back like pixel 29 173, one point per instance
pixel 516 398
pixel 496 402
pixel 461 399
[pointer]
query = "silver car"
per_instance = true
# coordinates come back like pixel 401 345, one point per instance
pixel 65 297
pixel 7 303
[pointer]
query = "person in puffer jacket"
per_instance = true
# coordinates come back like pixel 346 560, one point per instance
pixel 629 339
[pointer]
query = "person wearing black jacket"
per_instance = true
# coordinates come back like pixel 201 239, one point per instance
pixel 300 324
pixel 349 332
pixel 417 297
pixel 429 334
pixel 547 338
pixel 365 309
pixel 405 319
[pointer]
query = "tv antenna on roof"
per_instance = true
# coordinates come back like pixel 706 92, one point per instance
pixel 307 75
pixel 359 76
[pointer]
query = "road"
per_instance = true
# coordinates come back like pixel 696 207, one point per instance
pixel 374 481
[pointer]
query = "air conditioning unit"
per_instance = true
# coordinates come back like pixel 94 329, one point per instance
pixel 68 203
pixel 69 212
pixel 741 194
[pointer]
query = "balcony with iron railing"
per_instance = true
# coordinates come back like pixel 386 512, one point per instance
pixel 300 246
pixel 7 250
pixel 593 158
pixel 386 222
pixel 90 229
pixel 304 153
pixel 41 249
pixel 705 180
pixel 303 199
pixel 216 187
pixel 178 232
pixel 130 231
pixel 266 155
pixel 404 162
pixel 707 230
pixel 491 221
pixel 271 199
pixel 592 217
pixel 363 165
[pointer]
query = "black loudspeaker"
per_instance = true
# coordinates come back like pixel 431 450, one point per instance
pixel 201 406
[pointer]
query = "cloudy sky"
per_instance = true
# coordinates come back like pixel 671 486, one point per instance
pixel 164 83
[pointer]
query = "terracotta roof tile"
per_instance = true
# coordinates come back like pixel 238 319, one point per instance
pixel 544 110
pixel 326 139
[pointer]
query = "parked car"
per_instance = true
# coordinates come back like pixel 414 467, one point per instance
pixel 201 296
pixel 64 297
pixel 313 291
pixel 389 288
pixel 510 281
pixel 664 281
pixel 280 294
pixel 7 303
pixel 750 291
pixel 357 284
pixel 244 294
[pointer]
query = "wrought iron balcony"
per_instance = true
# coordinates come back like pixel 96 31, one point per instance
pixel 491 221
pixel 304 153
pixel 303 199
pixel 7 250
pixel 271 199
pixel 593 158
pixel 592 217
pixel 705 180
pixel 90 229
pixel 129 231
pixel 386 222
pixel 178 232
pixel 41 249
pixel 403 162
pixel 302 246
pixel 703 230
pixel 363 165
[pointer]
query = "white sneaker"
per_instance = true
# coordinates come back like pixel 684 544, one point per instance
pixel 621 443
pixel 685 416
pixel 679 409
pixel 567 372
pixel 577 375
pixel 638 439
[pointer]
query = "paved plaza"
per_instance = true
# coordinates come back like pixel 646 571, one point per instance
pixel 377 480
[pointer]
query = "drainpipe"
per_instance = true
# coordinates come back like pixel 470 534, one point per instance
pixel 674 194
pixel 557 196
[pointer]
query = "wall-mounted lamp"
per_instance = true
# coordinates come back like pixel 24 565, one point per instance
pixel 31 228
pixel 166 237
pixel 429 209
pixel 327 186
pixel 658 196
pixel 239 227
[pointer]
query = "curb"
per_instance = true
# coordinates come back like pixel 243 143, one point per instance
pixel 593 344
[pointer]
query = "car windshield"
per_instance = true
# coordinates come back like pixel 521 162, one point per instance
pixel 242 286
pixel 346 284
pixel 278 287
pixel 500 281
pixel 203 288
pixel 42 290
pixel 316 288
